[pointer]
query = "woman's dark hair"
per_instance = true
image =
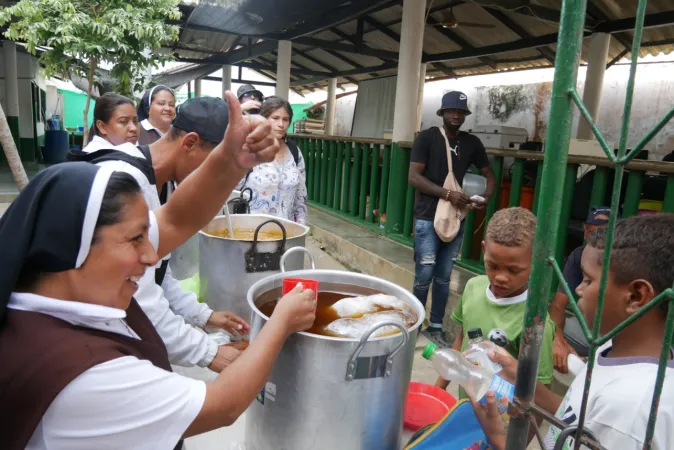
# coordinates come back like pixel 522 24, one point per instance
pixel 273 103
pixel 143 108
pixel 120 188
pixel 105 108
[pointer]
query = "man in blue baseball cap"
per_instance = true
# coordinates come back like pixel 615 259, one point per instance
pixel 434 259
pixel 569 337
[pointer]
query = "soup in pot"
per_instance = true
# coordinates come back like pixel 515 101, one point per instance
pixel 248 234
pixel 330 323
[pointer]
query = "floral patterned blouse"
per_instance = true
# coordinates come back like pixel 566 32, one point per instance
pixel 279 189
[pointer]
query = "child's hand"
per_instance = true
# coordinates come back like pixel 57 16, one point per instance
pixel 229 322
pixel 498 355
pixel 296 310
pixel 490 420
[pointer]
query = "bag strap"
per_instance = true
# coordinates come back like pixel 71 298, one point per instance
pixel 448 148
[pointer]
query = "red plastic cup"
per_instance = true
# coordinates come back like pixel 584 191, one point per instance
pixel 426 404
pixel 290 283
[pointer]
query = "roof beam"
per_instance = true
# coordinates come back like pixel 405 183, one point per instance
pixel 351 10
pixel 520 31
pixel 522 44
pixel 544 13
pixel 254 66
pixel 459 41
pixel 346 48
pixel 596 12
pixel 396 37
pixel 248 52
pixel 332 69
pixel 650 21
pixel 618 57
pixel 362 70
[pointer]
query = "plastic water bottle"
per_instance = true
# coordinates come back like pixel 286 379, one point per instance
pixel 476 381
pixel 478 351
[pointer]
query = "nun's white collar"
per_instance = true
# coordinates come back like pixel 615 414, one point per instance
pixel 148 127
pixel 86 315
pixel 99 143
pixel 63 309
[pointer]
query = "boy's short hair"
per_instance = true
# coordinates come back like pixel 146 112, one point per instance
pixel 643 248
pixel 512 227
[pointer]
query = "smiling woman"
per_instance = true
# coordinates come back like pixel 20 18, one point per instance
pixel 83 367
pixel 156 111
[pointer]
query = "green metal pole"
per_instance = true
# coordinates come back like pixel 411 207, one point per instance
pixel 355 179
pixel 565 215
pixel 318 155
pixel 395 212
pixel 599 184
pixel 325 154
pixel 571 29
pixel 374 183
pixel 635 181
pixel 516 183
pixel 347 178
pixel 331 175
pixel 364 172
pixel 409 211
pixel 492 205
pixel 385 172
pixel 469 232
pixel 668 204
pixel 309 163
pixel 338 175
pixel 537 189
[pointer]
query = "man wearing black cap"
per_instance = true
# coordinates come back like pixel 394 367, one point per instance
pixel 428 170
pixel 251 99
pixel 198 127
pixel 569 337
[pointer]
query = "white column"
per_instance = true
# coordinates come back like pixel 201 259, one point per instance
pixel 420 99
pixel 11 79
pixel 197 87
pixel 283 69
pixel 409 70
pixel 594 80
pixel 226 79
pixel 330 107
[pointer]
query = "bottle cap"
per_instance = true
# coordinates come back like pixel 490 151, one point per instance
pixel 475 333
pixel 428 351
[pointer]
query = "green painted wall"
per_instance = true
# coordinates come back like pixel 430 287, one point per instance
pixel 298 113
pixel 73 108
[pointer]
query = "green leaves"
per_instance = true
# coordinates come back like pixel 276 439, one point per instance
pixel 77 31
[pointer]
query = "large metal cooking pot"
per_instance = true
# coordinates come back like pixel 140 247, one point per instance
pixel 184 262
pixel 332 393
pixel 229 267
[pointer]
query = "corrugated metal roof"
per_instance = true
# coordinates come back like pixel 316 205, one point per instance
pixel 504 26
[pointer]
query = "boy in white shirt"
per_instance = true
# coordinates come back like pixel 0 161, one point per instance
pixel 623 380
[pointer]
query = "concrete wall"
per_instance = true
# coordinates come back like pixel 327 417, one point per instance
pixel 28 71
pixel 522 99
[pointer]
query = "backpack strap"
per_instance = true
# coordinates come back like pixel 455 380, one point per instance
pixel 97 157
pixel 294 150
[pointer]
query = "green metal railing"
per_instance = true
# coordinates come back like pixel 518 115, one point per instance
pixel 546 267
pixel 365 182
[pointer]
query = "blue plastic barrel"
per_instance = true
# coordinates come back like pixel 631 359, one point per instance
pixel 55 146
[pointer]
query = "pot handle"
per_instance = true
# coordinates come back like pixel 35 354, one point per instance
pixel 290 251
pixel 372 368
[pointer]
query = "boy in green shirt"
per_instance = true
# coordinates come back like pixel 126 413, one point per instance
pixel 495 302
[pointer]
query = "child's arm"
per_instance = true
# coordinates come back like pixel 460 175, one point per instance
pixel 458 342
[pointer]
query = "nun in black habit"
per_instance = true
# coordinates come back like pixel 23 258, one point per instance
pixel 82 366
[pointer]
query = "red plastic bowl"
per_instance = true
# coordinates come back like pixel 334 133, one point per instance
pixel 426 404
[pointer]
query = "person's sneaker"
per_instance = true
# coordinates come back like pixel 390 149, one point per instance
pixel 436 335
